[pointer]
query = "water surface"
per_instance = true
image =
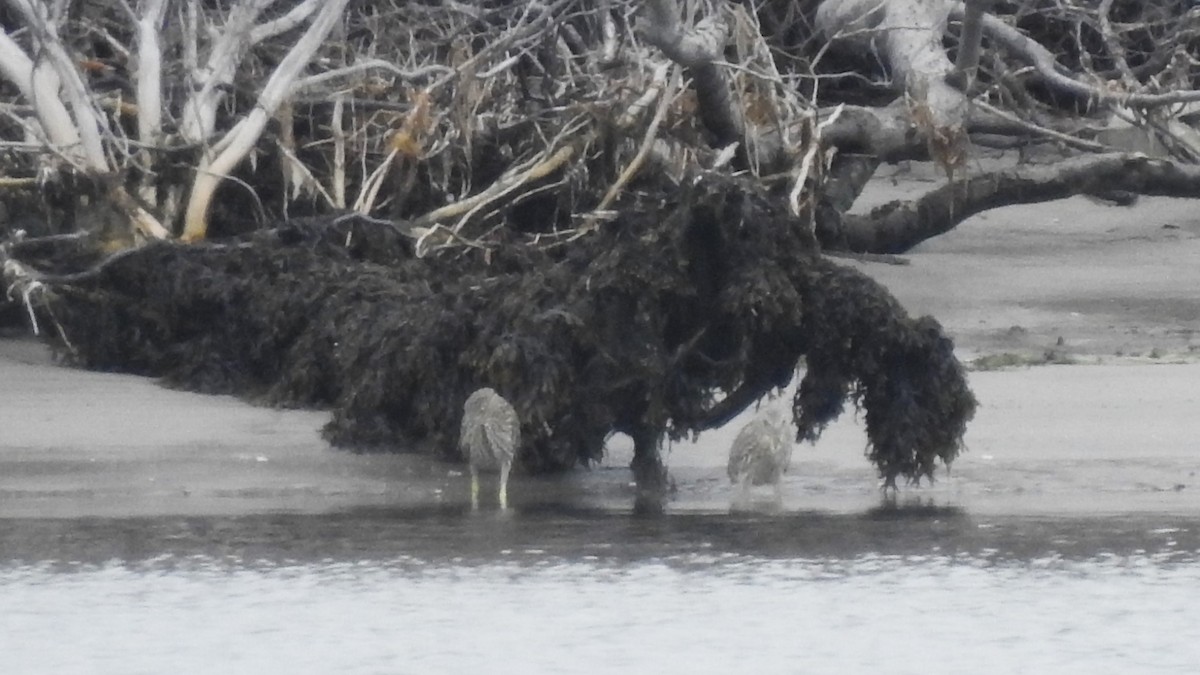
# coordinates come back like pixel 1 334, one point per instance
pixel 897 590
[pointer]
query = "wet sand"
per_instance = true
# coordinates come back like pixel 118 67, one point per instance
pixel 1113 289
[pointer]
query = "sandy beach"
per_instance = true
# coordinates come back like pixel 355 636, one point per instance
pixel 1083 321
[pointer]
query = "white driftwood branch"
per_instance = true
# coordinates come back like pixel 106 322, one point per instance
pixel 55 80
pixel 544 165
pixel 149 88
pixel 339 152
pixel 238 142
pixel 372 64
pixel 15 65
pixel 200 111
pixel 612 42
pixel 371 186
pixel 614 190
pixel 189 15
pixel 910 34
pixel 143 220
pixel 40 89
pixel 149 72
pixel 293 19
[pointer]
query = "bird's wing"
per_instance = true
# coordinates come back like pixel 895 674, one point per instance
pixel 741 451
pixel 503 430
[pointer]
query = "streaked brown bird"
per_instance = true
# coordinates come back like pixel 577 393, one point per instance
pixel 490 436
pixel 761 452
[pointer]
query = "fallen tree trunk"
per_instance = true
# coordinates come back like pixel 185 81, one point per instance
pixel 897 226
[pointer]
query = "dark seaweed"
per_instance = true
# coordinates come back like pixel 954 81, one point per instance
pixel 690 306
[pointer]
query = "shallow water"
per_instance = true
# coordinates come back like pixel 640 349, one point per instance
pixel 895 589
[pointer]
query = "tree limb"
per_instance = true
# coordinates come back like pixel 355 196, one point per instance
pixel 370 64
pixel 911 33
pixel 200 110
pixel 234 146
pixel 424 226
pixel 898 226
pixel 55 79
pixel 698 51
pixel 1046 65
pixel 40 87
pixel 294 18
pixel 967 61
pixel 149 88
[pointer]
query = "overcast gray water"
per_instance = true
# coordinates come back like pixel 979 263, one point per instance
pixel 893 590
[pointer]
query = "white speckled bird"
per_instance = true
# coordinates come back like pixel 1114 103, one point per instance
pixel 761 452
pixel 490 436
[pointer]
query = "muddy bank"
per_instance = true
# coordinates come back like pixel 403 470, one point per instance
pixel 1055 439
pixel 1078 278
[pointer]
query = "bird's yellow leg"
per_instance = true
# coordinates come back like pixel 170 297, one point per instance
pixel 504 469
pixel 474 488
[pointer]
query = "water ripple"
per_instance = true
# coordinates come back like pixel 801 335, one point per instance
pixel 599 593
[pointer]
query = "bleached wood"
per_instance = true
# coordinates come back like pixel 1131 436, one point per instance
pixel 149 89
pixel 55 84
pixel 237 143
pixel 200 111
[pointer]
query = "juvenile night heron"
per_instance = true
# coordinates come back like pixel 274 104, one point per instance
pixel 489 439
pixel 761 452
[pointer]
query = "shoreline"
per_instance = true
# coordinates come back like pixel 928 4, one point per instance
pixel 1055 440
pixel 1070 281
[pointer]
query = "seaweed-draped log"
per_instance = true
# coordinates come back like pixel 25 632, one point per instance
pixel 694 303
pixel 901 371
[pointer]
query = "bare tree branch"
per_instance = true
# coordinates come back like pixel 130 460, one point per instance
pixel 910 33
pixel 200 111
pixel 968 48
pixel 898 226
pixel 149 87
pixel 699 51
pixel 1046 65
pixel 372 64
pixel 293 19
pixel 234 146
pixel 56 78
